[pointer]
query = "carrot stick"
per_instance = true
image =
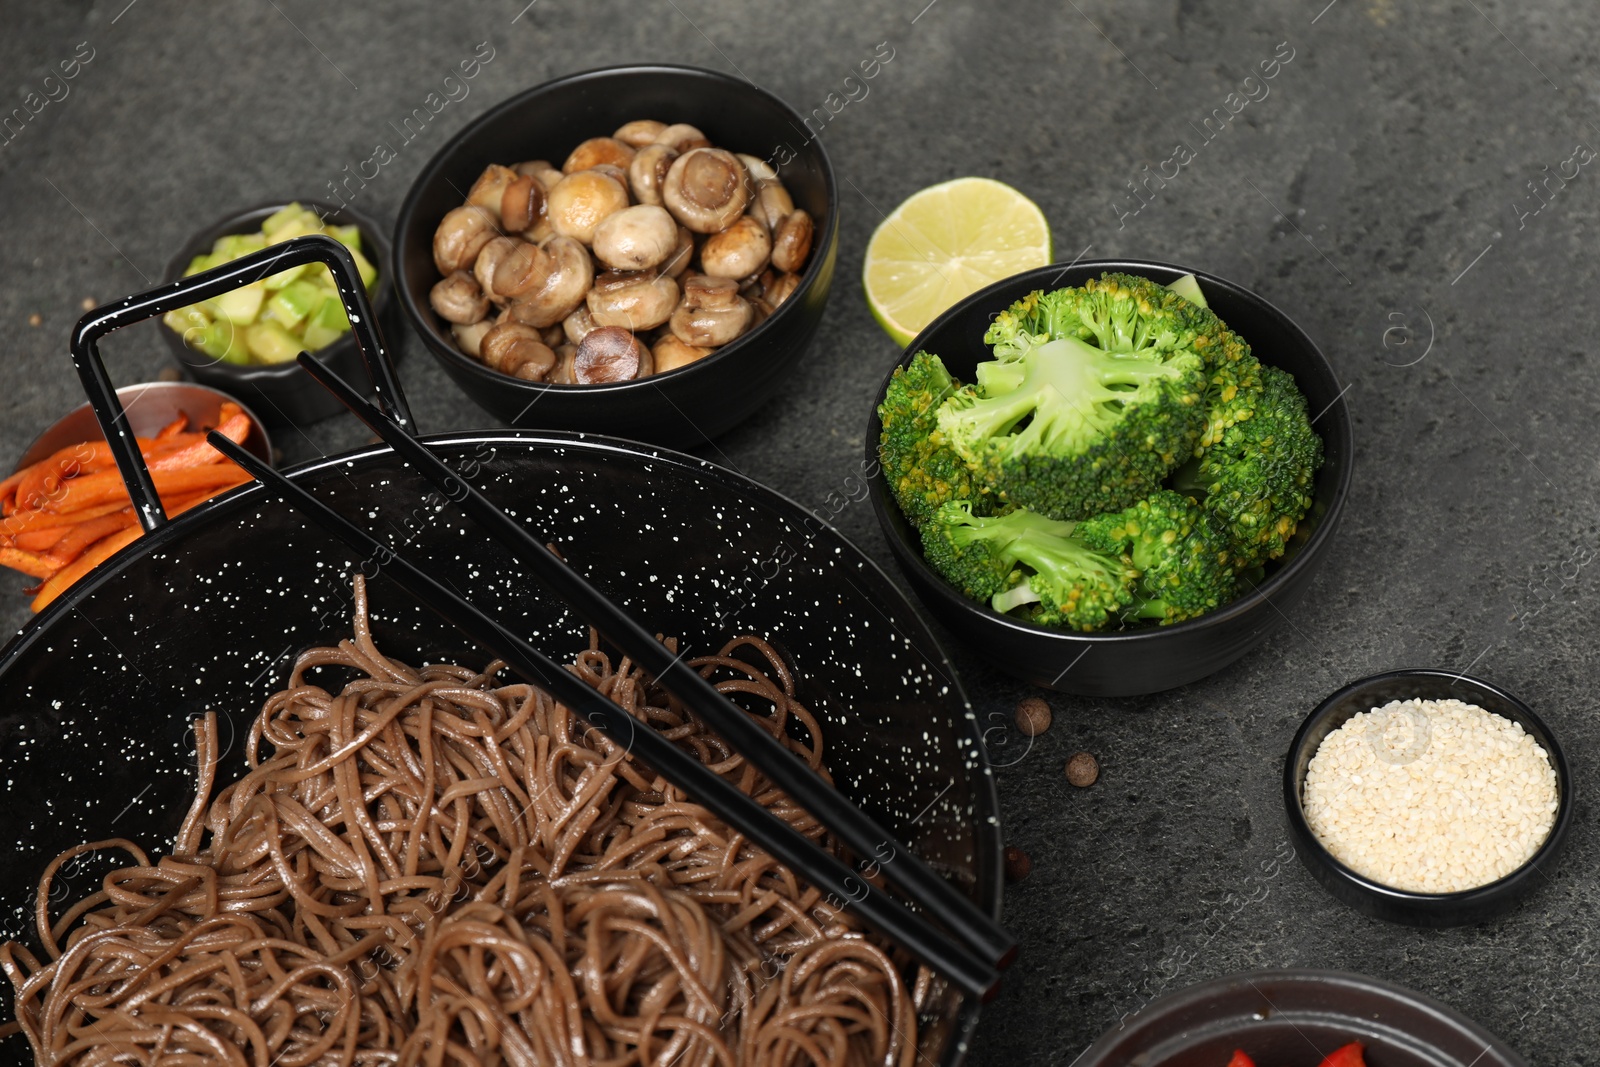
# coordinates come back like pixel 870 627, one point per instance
pixel 177 425
pixel 97 554
pixel 235 428
pixel 28 563
pixel 104 486
pixel 81 536
pixel 19 522
pixel 40 540
pixel 40 481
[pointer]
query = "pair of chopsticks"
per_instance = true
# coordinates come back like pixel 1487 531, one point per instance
pixel 979 947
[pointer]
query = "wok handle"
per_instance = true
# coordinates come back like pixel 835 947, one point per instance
pixel 312 248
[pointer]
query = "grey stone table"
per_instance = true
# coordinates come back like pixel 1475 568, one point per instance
pixel 1395 187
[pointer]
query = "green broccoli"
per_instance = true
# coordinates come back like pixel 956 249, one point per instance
pixel 1095 395
pixel 921 470
pixel 1258 476
pixel 1024 559
pixel 1181 551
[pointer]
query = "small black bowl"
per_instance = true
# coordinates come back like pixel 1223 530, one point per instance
pixel 1398 905
pixel 681 407
pixel 283 393
pixel 1297 1016
pixel 1152 658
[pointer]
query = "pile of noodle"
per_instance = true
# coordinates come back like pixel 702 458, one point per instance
pixel 430 867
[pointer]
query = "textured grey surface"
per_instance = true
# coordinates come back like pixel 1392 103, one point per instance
pixel 1383 163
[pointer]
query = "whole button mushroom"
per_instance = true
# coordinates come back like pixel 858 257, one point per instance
pixel 514 349
pixel 542 171
pixel 569 279
pixel 678 261
pixel 522 204
pixel 597 150
pixel 577 325
pixel 611 170
pixel 461 235
pixel 740 251
pixel 712 312
pixel 791 241
pixel 488 261
pixel 459 299
pixel 490 187
pixel 637 301
pixel 610 354
pixel 670 353
pixel 648 170
pixel 706 189
pixel 682 137
pixel 635 238
pixel 772 203
pixel 468 337
pixel 639 132
pixel 580 201
pixel 758 169
pixel 521 272
pixel 776 288
pixel 562 374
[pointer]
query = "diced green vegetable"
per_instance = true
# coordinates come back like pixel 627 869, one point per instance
pixel 290 305
pixel 240 306
pixel 271 343
pixel 272 320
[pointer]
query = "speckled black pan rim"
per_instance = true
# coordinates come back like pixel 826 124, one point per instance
pixel 442 346
pixel 985 793
pixel 374 238
pixel 1399 905
pixel 1043 277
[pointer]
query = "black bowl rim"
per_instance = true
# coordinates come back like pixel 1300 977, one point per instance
pixel 1306 557
pixel 251 494
pixel 440 345
pixel 256 373
pixel 1466 900
pixel 1201 992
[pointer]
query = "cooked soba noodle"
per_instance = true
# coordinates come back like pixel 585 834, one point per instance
pixel 431 867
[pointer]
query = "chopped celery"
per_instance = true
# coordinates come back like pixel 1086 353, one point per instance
pixel 284 277
pixel 198 264
pixel 240 306
pixel 276 221
pixel 290 305
pixel 182 321
pixel 326 325
pixel 349 236
pixel 296 227
pixel 235 245
pixel 369 273
pixel 271 343
pixel 223 341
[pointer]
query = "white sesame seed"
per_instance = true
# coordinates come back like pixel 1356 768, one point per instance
pixel 1431 796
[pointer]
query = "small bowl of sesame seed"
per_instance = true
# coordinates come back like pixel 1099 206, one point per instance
pixel 1427 797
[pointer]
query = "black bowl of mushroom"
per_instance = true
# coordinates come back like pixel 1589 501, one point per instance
pixel 642 251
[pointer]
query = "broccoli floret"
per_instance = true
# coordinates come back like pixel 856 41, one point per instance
pixel 1258 477
pixel 1095 395
pixel 1182 553
pixel 1024 560
pixel 922 471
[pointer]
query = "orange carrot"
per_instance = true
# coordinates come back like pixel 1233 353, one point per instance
pixel 235 428
pixel 97 554
pixel 27 562
pixel 81 536
pixel 40 540
pixel 177 425
pixel 19 522
pixel 42 480
pixel 104 486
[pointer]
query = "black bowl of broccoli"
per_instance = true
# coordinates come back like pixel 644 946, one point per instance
pixel 1111 487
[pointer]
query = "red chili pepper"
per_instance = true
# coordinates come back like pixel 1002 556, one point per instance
pixel 1348 1056
pixel 1240 1059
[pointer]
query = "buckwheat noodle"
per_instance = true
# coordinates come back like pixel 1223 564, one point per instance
pixel 430 867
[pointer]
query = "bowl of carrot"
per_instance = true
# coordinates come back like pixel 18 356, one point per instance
pixel 65 509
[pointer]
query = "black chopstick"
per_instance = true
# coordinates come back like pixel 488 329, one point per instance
pixel 866 838
pixel 880 910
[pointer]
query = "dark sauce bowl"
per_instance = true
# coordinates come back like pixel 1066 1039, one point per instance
pixel 1297 1016
pixel 680 407
pixel 1399 905
pixel 282 393
pixel 1151 658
